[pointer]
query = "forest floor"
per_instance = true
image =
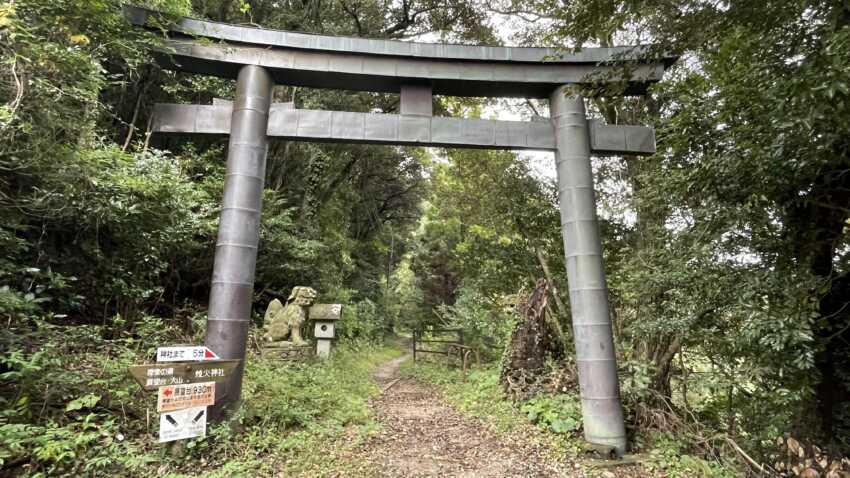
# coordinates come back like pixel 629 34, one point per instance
pixel 421 435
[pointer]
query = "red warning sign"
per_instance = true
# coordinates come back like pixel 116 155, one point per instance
pixel 178 397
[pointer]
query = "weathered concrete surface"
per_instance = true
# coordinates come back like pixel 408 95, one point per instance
pixel 414 130
pixel 592 330
pixel 289 352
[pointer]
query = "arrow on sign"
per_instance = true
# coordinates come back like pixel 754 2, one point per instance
pixel 180 397
pixel 172 420
pixel 179 424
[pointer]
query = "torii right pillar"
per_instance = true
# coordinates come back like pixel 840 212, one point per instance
pixel 596 361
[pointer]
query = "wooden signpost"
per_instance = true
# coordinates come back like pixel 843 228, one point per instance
pixel 153 376
pixel 184 388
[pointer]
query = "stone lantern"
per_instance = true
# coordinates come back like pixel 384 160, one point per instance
pixel 324 317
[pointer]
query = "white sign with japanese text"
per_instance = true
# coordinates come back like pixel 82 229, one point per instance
pixel 184 354
pixel 182 424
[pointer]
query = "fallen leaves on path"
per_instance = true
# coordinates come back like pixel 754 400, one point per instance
pixel 422 436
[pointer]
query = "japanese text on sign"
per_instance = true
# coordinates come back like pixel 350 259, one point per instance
pixel 182 354
pixel 152 376
pixel 177 397
pixel 209 373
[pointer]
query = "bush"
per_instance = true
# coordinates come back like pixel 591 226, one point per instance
pixel 487 325
pixel 362 321
pixel 670 454
pixel 293 396
pixel 68 404
pixel 559 413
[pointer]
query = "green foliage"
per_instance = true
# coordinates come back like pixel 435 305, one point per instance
pixel 292 412
pixel 485 234
pixel 559 413
pixel 295 396
pixel 726 252
pixel 88 444
pixel 135 216
pixel 102 224
pixel 14 304
pixel 69 406
pixel 130 221
pixel 362 321
pixel 286 255
pixel 66 389
pixel 487 325
pixel 669 455
pixel 403 297
pixel 486 219
pixel 176 8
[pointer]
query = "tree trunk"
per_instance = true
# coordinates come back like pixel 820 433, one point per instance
pixel 659 349
pixel 524 365
pixel 833 361
pixel 815 227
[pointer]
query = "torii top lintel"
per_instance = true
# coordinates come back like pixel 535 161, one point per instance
pixel 362 64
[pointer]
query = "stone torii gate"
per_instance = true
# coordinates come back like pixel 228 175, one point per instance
pixel 260 58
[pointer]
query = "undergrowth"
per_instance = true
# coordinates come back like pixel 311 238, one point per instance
pixel 68 406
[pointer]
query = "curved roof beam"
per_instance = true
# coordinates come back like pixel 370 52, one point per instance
pixel 363 64
pixel 343 44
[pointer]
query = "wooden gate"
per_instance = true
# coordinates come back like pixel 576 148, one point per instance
pixel 451 346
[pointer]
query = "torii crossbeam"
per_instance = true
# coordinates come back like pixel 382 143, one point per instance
pixel 259 58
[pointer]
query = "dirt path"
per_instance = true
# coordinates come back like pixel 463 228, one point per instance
pixel 422 436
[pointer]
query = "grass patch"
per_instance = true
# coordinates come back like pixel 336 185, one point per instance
pixel 321 409
pixel 69 407
pixel 298 419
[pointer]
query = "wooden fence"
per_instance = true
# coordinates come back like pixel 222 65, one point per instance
pixel 454 346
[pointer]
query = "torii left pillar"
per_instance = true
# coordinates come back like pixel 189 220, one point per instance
pixel 232 289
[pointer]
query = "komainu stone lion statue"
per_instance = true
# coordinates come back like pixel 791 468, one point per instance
pixel 284 322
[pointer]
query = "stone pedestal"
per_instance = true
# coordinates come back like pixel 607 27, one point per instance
pixel 323 347
pixel 288 351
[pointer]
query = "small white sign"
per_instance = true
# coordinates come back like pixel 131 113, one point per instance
pixel 182 424
pixel 184 354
